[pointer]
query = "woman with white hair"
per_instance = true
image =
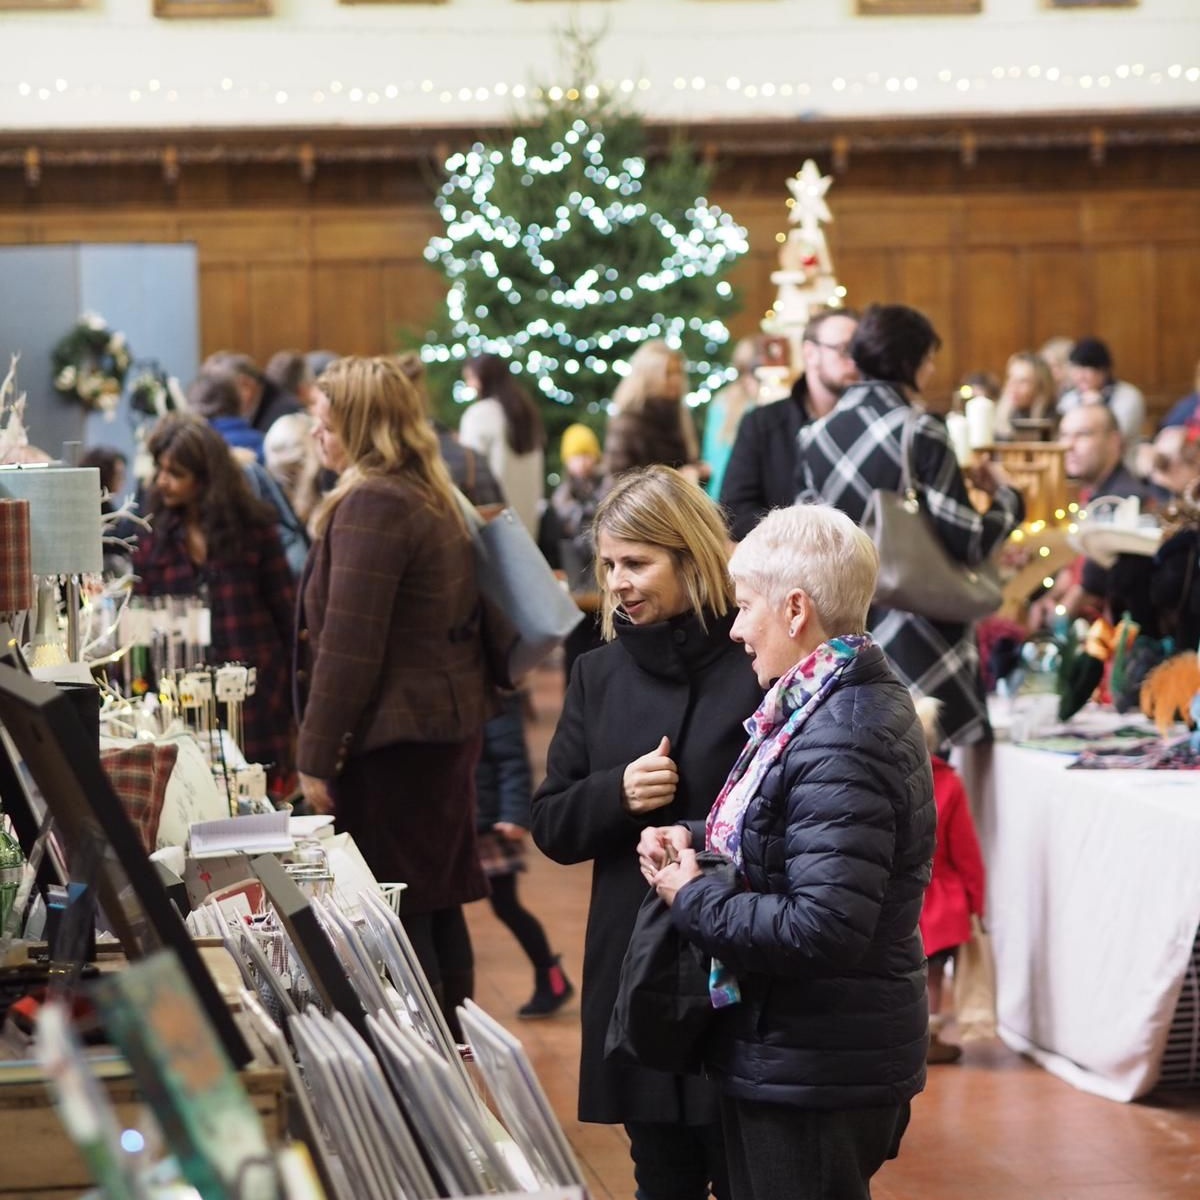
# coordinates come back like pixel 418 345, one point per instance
pixel 818 979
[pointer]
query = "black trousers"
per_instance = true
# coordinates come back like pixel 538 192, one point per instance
pixel 779 1152
pixel 677 1162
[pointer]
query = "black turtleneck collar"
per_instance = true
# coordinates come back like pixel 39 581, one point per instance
pixel 676 648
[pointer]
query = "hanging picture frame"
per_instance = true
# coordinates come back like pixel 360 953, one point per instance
pixel 38 5
pixel 212 8
pixel 918 8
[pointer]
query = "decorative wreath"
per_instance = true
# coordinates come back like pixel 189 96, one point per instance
pixel 90 363
pixel 153 392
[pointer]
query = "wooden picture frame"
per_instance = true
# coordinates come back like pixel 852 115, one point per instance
pixel 918 8
pixel 212 8
pixel 39 5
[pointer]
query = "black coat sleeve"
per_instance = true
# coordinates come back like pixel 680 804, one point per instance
pixel 742 494
pixel 577 812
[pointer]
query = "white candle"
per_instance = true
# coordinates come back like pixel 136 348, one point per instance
pixel 956 429
pixel 981 421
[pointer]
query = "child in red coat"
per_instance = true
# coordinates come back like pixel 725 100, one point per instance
pixel 955 891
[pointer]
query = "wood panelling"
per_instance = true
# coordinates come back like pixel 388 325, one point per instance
pixel 867 273
pixel 1031 240
pixel 995 279
pixel 280 307
pixel 1057 302
pixel 1178 287
pixel 1031 221
pixel 224 307
pixel 348 304
pixel 1124 310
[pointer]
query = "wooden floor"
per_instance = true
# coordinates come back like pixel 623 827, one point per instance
pixel 992 1127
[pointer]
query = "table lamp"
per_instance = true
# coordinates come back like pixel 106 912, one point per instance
pixel 64 528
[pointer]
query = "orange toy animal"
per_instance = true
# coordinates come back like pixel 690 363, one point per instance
pixel 1168 690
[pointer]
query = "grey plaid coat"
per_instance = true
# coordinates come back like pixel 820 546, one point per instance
pixel 850 453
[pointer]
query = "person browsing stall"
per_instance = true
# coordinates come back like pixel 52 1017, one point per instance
pixel 650 726
pixel 818 972
pixel 391 687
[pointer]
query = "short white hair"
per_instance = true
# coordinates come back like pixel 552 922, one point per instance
pixel 818 550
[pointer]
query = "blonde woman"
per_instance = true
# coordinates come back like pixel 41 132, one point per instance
pixel 1028 394
pixel 650 422
pixel 651 724
pixel 390 674
pixel 291 460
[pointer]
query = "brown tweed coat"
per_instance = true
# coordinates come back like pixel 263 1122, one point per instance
pixel 388 646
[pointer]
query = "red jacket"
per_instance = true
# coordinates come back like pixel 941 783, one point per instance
pixel 955 892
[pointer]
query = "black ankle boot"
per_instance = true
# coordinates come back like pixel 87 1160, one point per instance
pixel 552 989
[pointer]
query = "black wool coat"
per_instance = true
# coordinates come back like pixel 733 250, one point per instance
pixel 837 846
pixel 761 473
pixel 696 687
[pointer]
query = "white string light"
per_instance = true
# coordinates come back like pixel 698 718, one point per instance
pixel 1004 75
pixel 575 333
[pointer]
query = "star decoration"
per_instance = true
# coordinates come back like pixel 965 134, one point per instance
pixel 808 186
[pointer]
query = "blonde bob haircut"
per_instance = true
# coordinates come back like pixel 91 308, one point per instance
pixel 380 419
pixel 658 506
pixel 821 552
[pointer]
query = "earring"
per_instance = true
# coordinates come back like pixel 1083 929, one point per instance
pixel 794 628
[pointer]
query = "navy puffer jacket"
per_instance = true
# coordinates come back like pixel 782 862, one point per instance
pixel 823 936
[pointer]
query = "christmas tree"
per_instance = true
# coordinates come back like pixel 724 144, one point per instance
pixel 566 248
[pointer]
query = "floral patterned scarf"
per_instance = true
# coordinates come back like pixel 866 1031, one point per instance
pixel 795 696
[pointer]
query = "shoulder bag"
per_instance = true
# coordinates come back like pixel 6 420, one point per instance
pixel 916 572
pixel 527 612
pixel 663 1008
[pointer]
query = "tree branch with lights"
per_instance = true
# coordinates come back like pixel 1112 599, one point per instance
pixel 567 247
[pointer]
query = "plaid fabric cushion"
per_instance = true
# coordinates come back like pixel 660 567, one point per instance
pixel 16 574
pixel 139 775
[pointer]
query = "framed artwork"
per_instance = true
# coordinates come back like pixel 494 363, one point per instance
pixel 916 8
pixel 38 5
pixel 211 8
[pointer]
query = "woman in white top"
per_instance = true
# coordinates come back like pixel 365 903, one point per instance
pixel 505 427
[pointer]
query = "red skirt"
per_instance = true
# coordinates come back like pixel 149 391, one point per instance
pixel 410 808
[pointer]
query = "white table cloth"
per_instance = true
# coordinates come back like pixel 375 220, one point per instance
pixel 1093 898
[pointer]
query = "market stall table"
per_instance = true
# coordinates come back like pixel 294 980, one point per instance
pixel 1093 905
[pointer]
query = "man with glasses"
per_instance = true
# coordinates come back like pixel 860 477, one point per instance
pixel 1092 457
pixel 761 474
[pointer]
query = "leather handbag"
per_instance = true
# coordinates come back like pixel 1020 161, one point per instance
pixel 916 572
pixel 663 1008
pixel 527 612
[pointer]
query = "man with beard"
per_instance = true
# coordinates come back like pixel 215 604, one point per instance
pixel 761 474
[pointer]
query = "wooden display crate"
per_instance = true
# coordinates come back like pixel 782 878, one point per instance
pixel 41 1161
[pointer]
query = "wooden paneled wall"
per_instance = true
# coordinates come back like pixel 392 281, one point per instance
pixel 1026 246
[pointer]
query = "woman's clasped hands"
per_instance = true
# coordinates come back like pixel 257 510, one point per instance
pixel 667 860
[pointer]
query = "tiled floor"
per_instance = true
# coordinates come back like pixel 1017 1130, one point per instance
pixel 993 1127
